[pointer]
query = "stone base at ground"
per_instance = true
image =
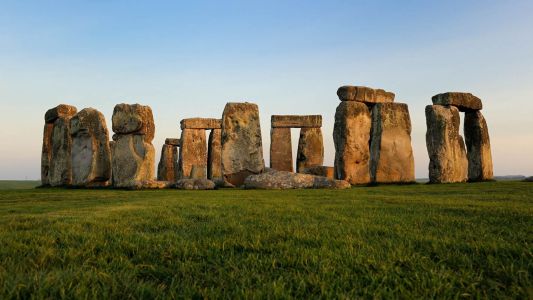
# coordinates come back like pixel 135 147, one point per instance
pixel 324 171
pixel 194 184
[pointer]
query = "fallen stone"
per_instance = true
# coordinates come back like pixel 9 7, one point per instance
pixel 201 123
pixel 351 135
pixel 463 101
pixel 242 148
pixel 323 171
pixel 281 149
pixel 478 147
pixel 60 111
pixel 173 142
pixel 446 148
pixel 214 155
pixel 134 119
pixel 391 153
pixel 149 185
pixel 167 169
pixel 310 149
pixel 193 151
pixel 91 155
pixel 272 179
pixel 364 94
pixel 194 184
pixel 60 172
pixel 292 121
pixel 132 160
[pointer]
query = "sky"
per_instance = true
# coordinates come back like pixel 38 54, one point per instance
pixel 188 58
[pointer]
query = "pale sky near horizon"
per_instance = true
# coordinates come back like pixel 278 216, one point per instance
pixel 187 59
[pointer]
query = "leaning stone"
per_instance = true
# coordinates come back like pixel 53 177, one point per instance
pixel 351 135
pixel 200 123
pixel 60 111
pixel 167 169
pixel 134 119
pixel 463 101
pixel 132 160
pixel 292 121
pixel 173 142
pixel 46 154
pixel 61 162
pixel 478 147
pixel 214 155
pixel 310 149
pixel 391 153
pixel 91 156
pixel 194 184
pixel 281 149
pixel 328 172
pixel 364 94
pixel 242 148
pixel 280 180
pixel 446 148
pixel 193 151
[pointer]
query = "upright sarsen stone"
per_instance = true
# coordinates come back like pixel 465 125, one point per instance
pixel 214 155
pixel 134 119
pixel 193 152
pixel 478 147
pixel 46 154
pixel 281 149
pixel 391 153
pixel 310 149
pixel 60 172
pixel 167 169
pixel 351 135
pixel 446 148
pixel 242 148
pixel 91 155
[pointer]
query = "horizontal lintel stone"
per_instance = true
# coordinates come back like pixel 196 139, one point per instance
pixel 294 121
pixel 201 123
pixel 463 101
pixel 173 142
pixel 364 94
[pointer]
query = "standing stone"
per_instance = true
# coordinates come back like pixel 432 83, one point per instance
pixel 281 149
pixel 446 148
pixel 214 155
pixel 60 162
pixel 310 149
pixel 351 135
pixel 391 154
pixel 242 148
pixel 46 154
pixel 478 147
pixel 91 156
pixel 193 151
pixel 134 119
pixel 167 169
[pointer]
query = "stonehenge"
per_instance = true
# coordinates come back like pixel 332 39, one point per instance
pixel 371 135
pixel 450 160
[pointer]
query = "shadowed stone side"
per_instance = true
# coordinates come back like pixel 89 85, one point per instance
pixel 310 149
pixel 46 153
pixel 91 156
pixel 391 154
pixel 167 169
pixel 193 151
pixel 60 163
pixel 281 149
pixel 242 148
pixel 446 148
pixel 351 135
pixel 478 147
pixel 214 155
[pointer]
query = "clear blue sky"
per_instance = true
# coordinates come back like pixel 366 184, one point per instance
pixel 187 59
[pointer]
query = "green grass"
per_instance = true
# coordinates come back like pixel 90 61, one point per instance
pixel 18 184
pixel 413 241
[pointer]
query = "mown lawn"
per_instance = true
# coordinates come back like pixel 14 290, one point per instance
pixel 413 241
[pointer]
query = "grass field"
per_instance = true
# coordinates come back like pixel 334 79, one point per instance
pixel 413 241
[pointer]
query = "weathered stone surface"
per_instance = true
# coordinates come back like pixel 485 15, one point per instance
pixel 46 153
pixel 391 153
pixel 272 179
pixel 194 184
pixel 91 156
pixel 173 142
pixel 214 155
pixel 60 111
pixel 281 149
pixel 364 94
pixel 193 151
pixel 132 160
pixel 294 121
pixel 149 185
pixel 242 148
pixel 201 123
pixel 198 172
pixel 323 171
pixel 167 169
pixel 60 172
pixel 446 148
pixel 351 135
pixel 463 101
pixel 478 147
pixel 310 148
pixel 134 119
